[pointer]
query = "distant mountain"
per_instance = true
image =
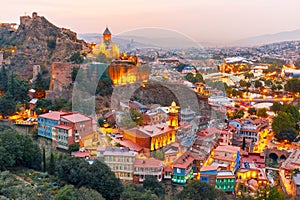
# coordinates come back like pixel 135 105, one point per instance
pixel 269 38
pixel 147 37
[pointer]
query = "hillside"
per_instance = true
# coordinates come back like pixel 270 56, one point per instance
pixel 38 42
pixel 269 38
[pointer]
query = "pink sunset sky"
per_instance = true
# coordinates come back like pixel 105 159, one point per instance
pixel 203 20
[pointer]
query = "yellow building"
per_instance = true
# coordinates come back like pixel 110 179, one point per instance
pixel 109 49
pixel 173 115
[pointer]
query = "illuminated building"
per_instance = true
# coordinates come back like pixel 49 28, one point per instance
pixel 119 159
pixel 109 49
pixel 173 115
pixel 152 137
pixel 126 69
pixel 183 168
pixel 107 37
pixel 229 155
pixel 225 181
pixel 249 128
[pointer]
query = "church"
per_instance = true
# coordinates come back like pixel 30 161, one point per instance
pixel 155 136
pixel 107 47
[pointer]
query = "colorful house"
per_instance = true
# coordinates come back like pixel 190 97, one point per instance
pixel 208 174
pixel 225 181
pixel 229 155
pixel 183 168
pixel 147 166
pixel 46 122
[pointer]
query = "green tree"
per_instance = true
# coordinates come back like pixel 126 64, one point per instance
pixel 257 84
pixel 151 183
pixel 252 111
pixel 101 121
pixel 289 135
pixel 43 106
pixel 276 107
pixel 248 75
pixel 66 193
pixel 196 190
pixel 103 180
pixel 193 78
pixel 292 85
pixel 41 85
pixel 97 176
pixel 136 192
pixel 283 121
pixel 18 150
pixel 51 167
pixel 77 58
pixel 289 108
pixel 44 160
pixel 7 104
pixel 3 79
pixel 84 193
pixel 74 148
pixel 243 83
pixel 262 112
pixel 268 82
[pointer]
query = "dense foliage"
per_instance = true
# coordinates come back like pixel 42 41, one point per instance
pixel 292 85
pixel 285 124
pixel 97 176
pixel 198 190
pixel 18 150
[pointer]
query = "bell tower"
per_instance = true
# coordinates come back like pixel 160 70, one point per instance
pixel 107 38
pixel 173 115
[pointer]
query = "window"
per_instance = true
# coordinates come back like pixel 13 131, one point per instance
pixel 178 170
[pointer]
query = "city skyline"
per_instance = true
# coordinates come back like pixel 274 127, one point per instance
pixel 205 21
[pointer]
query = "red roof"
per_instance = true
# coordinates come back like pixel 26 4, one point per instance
pixel 148 163
pixel 209 168
pixel 63 127
pixel 80 154
pixel 167 168
pixel 184 160
pixel 129 144
pixel 76 117
pixel 53 115
pixel 224 158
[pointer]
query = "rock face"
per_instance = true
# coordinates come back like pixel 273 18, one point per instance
pixel 39 42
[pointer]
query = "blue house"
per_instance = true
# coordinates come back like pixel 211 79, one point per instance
pixel 46 122
pixel 208 174
pixel 183 169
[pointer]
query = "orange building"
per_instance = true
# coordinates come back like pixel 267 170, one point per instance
pixel 126 69
pixel 152 137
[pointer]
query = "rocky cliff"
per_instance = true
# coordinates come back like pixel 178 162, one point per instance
pixel 39 42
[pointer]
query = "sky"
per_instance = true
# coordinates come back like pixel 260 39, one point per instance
pixel 202 20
